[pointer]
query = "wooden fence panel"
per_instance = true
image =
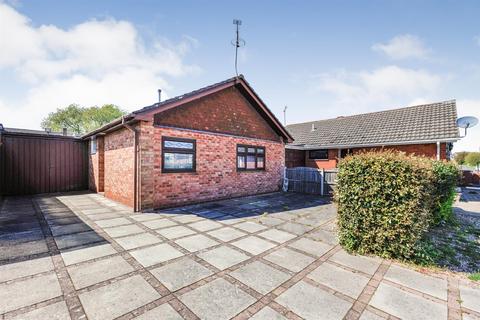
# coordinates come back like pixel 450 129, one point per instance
pixel 310 180
pixel 31 164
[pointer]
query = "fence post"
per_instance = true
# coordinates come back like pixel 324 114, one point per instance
pixel 285 180
pixel 322 179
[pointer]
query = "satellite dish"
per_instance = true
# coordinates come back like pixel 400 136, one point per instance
pixel 467 122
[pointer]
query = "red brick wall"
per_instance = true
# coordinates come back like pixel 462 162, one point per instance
pixel 428 150
pixel 294 158
pixel 226 111
pixel 119 166
pixel 216 176
pixel 96 167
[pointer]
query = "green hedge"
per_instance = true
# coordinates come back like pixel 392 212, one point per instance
pixel 388 200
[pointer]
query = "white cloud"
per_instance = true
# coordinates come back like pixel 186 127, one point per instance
pixel 403 47
pixel 356 92
pixel 94 62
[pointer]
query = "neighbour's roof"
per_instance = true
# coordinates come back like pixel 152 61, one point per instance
pixel 422 123
pixel 239 82
pixel 20 131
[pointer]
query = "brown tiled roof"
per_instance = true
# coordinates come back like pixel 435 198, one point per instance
pixel 428 122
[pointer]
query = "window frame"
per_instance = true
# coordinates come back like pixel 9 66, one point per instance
pixel 93 142
pixel 313 158
pixel 192 151
pixel 256 154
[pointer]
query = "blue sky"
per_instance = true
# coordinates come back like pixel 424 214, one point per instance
pixel 321 59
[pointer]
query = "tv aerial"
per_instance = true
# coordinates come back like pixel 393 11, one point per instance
pixel 237 42
pixel 466 122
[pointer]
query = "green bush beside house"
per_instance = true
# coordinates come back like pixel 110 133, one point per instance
pixel 388 200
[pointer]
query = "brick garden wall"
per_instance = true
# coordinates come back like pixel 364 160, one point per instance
pixel 96 167
pixel 119 166
pixel 216 176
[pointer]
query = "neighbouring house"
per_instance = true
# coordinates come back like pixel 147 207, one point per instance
pixel 217 142
pixel 427 130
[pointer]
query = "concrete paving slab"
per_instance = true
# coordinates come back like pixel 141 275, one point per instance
pixel 77 255
pixel 146 217
pixel 55 311
pixel 405 305
pixel 223 257
pixel 470 297
pixel 227 234
pixel 224 301
pixel 205 225
pixel 310 302
pixel 25 268
pixel 13 295
pixel 78 239
pixel 367 315
pixel 11 251
pixel 113 222
pixel 328 237
pixel 159 223
pixel 312 247
pixel 117 298
pixel 163 312
pixel 347 282
pixel 289 259
pixel 175 232
pixel 156 254
pixel 180 273
pixel 270 221
pixel 70 229
pixel 365 264
pixel 421 282
pixel 296 228
pixel 196 243
pixel 121 231
pixel 267 313
pixel 88 274
pixel 137 240
pixel 250 226
pixel 186 218
pixel 277 235
pixel 253 245
pixel 103 216
pixel 260 276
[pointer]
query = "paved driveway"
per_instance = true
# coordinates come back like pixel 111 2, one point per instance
pixel 265 257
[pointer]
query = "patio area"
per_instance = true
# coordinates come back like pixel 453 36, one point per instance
pixel 275 256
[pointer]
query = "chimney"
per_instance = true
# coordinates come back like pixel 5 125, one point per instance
pixel 64 131
pixel 48 130
pixel 159 95
pixel 313 127
pixel 1 127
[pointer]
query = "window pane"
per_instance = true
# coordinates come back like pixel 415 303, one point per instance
pixel 241 162
pixel 251 150
pixel 318 154
pixel 240 149
pixel 260 150
pixel 93 146
pixel 178 144
pixel 178 161
pixel 250 162
pixel 260 162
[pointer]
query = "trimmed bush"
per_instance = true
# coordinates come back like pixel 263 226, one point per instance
pixel 388 200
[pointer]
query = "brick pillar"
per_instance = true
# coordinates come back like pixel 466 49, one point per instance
pixel 148 145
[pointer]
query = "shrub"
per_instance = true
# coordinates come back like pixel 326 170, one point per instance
pixel 387 200
pixel 446 177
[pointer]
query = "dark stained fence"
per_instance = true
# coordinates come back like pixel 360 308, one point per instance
pixel 31 164
pixel 310 180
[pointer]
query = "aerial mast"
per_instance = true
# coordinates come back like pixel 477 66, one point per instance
pixel 237 42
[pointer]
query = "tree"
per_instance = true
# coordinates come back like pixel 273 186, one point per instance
pixel 79 120
pixel 460 157
pixel 473 159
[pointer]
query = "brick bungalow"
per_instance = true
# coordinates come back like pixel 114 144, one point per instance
pixel 427 130
pixel 217 142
